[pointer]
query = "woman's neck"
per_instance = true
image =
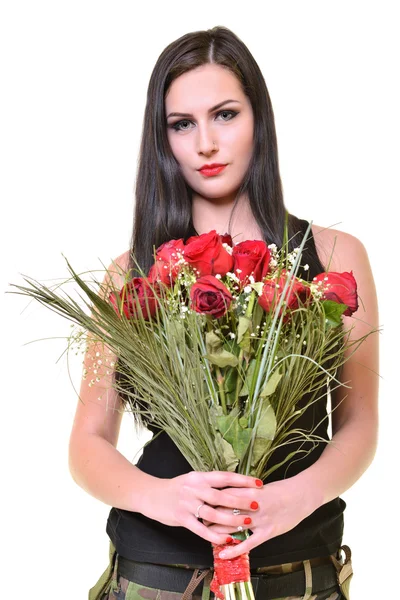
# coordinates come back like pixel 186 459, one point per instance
pixel 208 214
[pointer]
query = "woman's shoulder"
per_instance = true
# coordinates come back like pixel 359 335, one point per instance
pixel 116 271
pixel 338 250
pixel 122 260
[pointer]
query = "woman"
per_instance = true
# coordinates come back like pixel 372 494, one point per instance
pixel 208 105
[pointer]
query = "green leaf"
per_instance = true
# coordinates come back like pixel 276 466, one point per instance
pixel 223 359
pixel 333 312
pixel 213 342
pixel 245 390
pixel 215 411
pixel 243 327
pixel 216 353
pixel 243 422
pixel 258 286
pixel 230 458
pixel 230 380
pixel 230 398
pixel 266 425
pixel 258 314
pixel 270 385
pixel 265 432
pixel 233 433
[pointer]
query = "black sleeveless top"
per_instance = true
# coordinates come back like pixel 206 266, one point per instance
pixel 140 538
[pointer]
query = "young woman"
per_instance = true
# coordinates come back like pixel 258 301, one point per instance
pixel 208 105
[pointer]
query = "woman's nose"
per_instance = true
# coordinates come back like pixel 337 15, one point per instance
pixel 206 141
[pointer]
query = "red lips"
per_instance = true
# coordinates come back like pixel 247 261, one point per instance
pixel 212 166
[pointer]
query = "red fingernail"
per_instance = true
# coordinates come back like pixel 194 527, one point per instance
pixel 247 521
pixel 259 483
pixel 229 540
pixel 254 505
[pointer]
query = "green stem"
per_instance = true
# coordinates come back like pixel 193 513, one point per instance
pixel 220 381
pixel 250 306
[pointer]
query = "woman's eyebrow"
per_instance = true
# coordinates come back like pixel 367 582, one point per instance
pixel 177 114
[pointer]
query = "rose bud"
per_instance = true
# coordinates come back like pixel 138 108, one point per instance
pixel 273 289
pixel 251 257
pixel 339 287
pixel 168 262
pixel 130 305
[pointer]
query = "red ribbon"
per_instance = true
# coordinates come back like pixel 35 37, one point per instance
pixel 231 570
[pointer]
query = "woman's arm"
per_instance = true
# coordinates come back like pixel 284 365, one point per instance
pixel 355 410
pixel 101 470
pixel 94 462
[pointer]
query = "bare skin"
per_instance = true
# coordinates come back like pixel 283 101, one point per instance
pixel 95 463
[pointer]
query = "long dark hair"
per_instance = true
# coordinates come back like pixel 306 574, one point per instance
pixel 163 208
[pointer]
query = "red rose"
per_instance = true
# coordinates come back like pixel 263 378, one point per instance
pixel 339 287
pixel 167 265
pixel 272 292
pixel 226 239
pixel 252 258
pixel 160 272
pixel 129 302
pixel 206 253
pixel 208 295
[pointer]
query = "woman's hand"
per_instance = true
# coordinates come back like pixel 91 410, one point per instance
pixel 175 502
pixel 282 505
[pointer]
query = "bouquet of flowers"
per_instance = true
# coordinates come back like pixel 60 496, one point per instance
pixel 217 344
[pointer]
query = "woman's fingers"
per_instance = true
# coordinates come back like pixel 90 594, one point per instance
pixel 225 517
pixel 246 503
pixel 222 479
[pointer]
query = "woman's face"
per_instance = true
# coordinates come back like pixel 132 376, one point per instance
pixel 191 133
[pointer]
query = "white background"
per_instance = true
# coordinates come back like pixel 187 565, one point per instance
pixel 74 77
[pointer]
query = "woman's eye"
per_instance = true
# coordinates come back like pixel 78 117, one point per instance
pixel 178 126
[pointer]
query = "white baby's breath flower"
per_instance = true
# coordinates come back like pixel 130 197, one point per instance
pixel 247 289
pixel 231 275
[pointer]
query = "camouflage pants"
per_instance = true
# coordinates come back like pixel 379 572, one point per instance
pixel 112 586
